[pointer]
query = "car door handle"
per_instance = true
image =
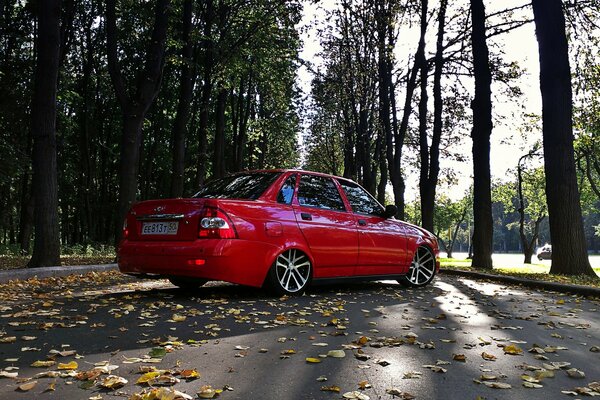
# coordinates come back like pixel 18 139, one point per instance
pixel 362 222
pixel 306 216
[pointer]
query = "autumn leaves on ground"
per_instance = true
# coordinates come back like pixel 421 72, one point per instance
pixel 105 335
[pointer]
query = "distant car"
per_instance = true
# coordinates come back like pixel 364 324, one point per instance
pixel 544 252
pixel 281 228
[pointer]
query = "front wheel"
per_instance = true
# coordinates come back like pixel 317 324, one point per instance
pixel 422 269
pixel 290 273
pixel 187 283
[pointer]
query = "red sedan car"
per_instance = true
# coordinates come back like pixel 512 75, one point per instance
pixel 281 228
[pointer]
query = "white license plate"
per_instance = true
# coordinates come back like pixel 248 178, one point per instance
pixel 160 228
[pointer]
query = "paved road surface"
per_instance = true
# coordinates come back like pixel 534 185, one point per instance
pixel 257 345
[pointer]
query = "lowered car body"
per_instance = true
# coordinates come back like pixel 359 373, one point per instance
pixel 281 228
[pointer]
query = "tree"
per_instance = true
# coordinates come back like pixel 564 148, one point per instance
pixel 186 86
pixel 46 248
pixel 134 106
pixel 530 188
pixel 430 155
pixel 482 130
pixel 569 254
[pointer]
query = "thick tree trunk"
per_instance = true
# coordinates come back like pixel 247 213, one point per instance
pixel 46 248
pixel 128 161
pixel 186 84
pixel 482 130
pixel 426 191
pixel 569 253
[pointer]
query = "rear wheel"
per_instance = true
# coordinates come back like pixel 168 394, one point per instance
pixel 187 283
pixel 290 273
pixel 422 269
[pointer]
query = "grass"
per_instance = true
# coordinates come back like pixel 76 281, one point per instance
pixel 10 258
pixel 539 272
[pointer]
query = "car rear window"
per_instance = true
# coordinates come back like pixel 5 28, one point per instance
pixel 238 186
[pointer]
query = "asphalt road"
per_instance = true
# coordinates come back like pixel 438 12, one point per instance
pixel 256 345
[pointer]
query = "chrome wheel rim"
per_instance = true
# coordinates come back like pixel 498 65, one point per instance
pixel 292 268
pixel 422 267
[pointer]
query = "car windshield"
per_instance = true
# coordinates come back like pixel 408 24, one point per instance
pixel 240 186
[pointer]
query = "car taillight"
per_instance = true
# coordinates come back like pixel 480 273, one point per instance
pixel 125 229
pixel 215 224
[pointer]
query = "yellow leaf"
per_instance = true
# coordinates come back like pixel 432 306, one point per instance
pixel 148 376
pixel 313 360
pixel 8 339
pixel 288 352
pixel 178 318
pixel 513 349
pixel 332 388
pixel 70 366
pixel 43 364
pixel 459 357
pixel 488 357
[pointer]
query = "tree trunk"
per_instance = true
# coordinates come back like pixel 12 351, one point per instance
pixel 134 108
pixel 207 77
pixel 431 158
pixel 569 253
pixel 46 248
pixel 186 84
pixel 219 142
pixel 482 130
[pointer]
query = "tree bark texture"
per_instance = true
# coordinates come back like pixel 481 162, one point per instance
pixel 134 107
pixel 46 248
pixel 482 130
pixel 186 85
pixel 569 253
pixel 430 157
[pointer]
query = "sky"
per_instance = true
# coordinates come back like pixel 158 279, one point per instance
pixel 506 144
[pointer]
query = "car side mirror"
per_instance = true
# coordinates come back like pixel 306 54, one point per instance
pixel 390 211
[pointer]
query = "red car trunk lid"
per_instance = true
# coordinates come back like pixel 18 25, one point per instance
pixel 165 220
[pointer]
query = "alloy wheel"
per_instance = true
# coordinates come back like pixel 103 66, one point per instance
pixel 292 271
pixel 422 268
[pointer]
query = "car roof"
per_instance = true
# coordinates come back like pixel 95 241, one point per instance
pixel 292 170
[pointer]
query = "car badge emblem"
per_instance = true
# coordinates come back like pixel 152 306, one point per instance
pixel 159 209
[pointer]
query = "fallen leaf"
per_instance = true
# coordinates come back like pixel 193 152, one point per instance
pixel 43 364
pixel 332 388
pixel 69 366
pixel 25 387
pixel 113 382
pixel 459 357
pixel 336 353
pixel 488 356
pixel 355 395
pixel 513 349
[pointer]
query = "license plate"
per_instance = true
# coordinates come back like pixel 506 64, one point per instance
pixel 160 228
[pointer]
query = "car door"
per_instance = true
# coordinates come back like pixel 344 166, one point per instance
pixel 329 229
pixel 382 243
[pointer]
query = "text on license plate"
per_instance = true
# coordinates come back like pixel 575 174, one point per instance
pixel 160 228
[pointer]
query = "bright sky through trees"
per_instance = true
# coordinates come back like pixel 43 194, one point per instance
pixel 508 144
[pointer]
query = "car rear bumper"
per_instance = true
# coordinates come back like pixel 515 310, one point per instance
pixel 232 260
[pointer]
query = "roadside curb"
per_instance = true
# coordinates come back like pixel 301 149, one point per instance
pixel 558 287
pixel 47 272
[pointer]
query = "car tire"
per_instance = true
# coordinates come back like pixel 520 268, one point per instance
pixel 186 283
pixel 422 269
pixel 291 273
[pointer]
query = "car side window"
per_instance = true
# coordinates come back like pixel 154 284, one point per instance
pixel 360 200
pixel 321 192
pixel 287 190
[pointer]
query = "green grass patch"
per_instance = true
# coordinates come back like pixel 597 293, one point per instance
pixel 10 257
pixel 539 272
